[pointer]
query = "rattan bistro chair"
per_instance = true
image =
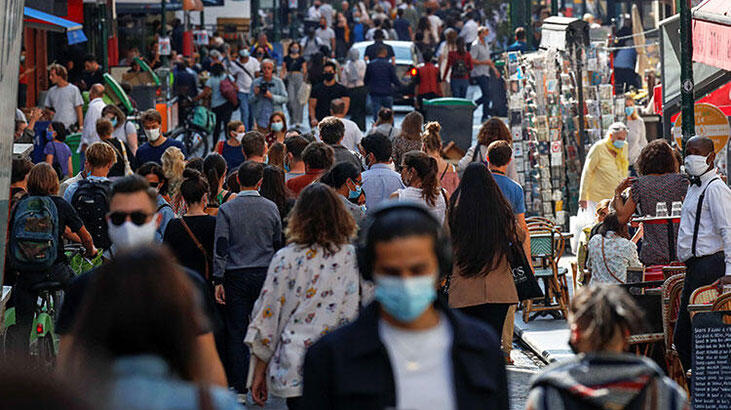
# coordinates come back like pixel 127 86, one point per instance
pixel 547 246
pixel 672 288
pixel 723 302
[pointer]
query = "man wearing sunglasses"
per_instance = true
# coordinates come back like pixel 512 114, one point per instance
pixel 132 221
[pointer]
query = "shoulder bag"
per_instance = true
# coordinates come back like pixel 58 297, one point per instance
pixel 198 245
pixel 525 281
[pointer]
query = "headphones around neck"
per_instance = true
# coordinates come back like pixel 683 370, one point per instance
pixel 365 251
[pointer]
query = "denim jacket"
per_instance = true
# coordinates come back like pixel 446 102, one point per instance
pixel 146 382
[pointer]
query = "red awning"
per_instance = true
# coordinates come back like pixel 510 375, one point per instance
pixel 712 33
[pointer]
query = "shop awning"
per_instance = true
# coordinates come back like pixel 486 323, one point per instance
pixel 712 33
pixel 44 21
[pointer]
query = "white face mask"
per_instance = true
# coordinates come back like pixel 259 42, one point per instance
pixel 153 134
pixel 239 136
pixel 695 165
pixel 129 235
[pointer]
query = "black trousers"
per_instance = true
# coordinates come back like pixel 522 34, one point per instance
pixel 242 288
pixel 624 78
pixel 223 117
pixel 701 272
pixel 357 110
pixel 492 314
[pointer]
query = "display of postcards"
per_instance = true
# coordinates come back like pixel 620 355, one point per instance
pixel 516 118
pixel 516 101
pixel 515 86
pixel 521 178
pixel 592 64
pixel 561 217
pixel 542 134
pixel 557 195
pixel 513 57
pixel 518 151
pixel 605 92
pixel 554 122
pixel 594 108
pixel 528 166
pixel 541 122
pixel 546 173
pixel 536 191
pixel 596 78
pixel 591 93
pixel 555 134
pixel 543 148
pixel 594 134
pixel 619 106
pixel 554 110
pixel 544 161
pixel 607 121
pixel 547 209
pixel 546 195
pixel 537 206
pixel 607 107
pixel 535 175
pixel 552 87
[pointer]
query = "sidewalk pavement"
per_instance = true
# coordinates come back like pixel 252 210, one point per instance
pixel 545 336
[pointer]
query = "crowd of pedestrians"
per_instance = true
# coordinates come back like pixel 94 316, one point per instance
pixel 351 266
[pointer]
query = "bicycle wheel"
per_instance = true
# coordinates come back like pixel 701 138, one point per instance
pixel 195 142
pixel 46 352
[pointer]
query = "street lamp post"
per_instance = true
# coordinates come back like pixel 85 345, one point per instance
pixel 686 72
pixel 163 23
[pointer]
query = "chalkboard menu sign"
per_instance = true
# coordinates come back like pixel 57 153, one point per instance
pixel 711 387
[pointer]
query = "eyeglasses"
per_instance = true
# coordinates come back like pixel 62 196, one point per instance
pixel 154 184
pixel 138 218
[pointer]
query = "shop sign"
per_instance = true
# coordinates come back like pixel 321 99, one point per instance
pixel 710 122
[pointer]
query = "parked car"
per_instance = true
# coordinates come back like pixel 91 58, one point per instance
pixel 407 58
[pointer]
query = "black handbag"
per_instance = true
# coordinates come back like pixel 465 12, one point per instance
pixel 525 281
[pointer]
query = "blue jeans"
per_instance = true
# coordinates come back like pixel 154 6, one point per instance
pixel 244 110
pixel 242 287
pixel 378 101
pixel 459 87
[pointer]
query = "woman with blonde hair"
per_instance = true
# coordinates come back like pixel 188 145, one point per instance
pixel 173 164
pixel 312 287
pixel 450 44
pixel 419 174
pixel 491 130
pixel 410 137
pixel 432 145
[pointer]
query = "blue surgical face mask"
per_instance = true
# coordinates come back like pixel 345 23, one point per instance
pixel 405 298
pixel 629 110
pixel 355 194
pixel 277 126
pixel 619 144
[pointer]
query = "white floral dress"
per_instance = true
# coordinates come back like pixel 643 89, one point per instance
pixel 620 254
pixel 307 294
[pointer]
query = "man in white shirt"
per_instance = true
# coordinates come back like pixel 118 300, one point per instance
pixel 469 30
pixel 704 241
pixel 483 70
pixel 435 22
pixel 93 113
pixel 352 136
pixel 244 70
pixel 313 13
pixel 64 98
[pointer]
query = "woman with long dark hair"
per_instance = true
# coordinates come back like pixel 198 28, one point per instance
pixel 139 322
pixel 312 287
pixel 214 169
pixel 483 230
pixel 419 174
pixel 274 189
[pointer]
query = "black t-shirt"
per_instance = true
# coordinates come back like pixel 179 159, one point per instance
pixel 117 170
pixel 188 254
pixel 66 217
pixel 372 50
pixel 324 95
pixel 74 298
pixel 294 64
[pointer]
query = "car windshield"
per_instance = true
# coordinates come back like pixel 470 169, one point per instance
pixel 402 53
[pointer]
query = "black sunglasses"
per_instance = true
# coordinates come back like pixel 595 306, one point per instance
pixel 138 218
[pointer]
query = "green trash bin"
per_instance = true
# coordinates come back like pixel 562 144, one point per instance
pixel 73 141
pixel 455 115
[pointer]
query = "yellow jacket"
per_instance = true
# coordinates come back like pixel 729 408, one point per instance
pixel 602 171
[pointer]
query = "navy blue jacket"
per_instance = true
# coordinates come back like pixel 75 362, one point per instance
pixel 379 76
pixel 350 368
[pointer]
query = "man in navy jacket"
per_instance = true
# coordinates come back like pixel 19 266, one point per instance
pixel 379 77
pixel 407 349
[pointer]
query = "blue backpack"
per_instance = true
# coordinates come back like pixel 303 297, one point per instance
pixel 34 239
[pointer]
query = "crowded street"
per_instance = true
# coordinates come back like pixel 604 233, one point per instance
pixel 365 204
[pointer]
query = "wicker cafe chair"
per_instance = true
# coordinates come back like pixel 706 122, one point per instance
pixel 704 295
pixel 546 251
pixel 671 291
pixel 671 270
pixel 723 302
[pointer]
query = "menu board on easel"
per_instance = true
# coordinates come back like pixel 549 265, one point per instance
pixel 711 361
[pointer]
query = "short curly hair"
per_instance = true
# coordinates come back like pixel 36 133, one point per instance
pixel 656 158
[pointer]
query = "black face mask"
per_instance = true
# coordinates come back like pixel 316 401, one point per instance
pixel 328 76
pixel 322 26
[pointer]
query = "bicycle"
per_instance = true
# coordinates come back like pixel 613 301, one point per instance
pixel 198 125
pixel 43 340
